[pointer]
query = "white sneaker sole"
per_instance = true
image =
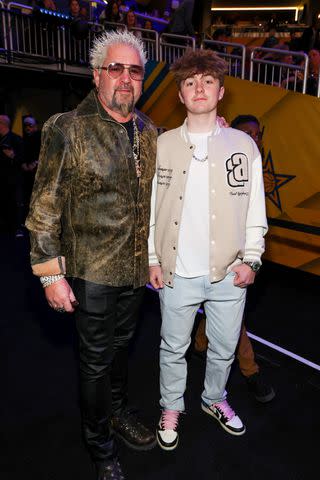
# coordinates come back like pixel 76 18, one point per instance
pixel 167 448
pixel 225 427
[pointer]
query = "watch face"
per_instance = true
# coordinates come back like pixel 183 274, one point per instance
pixel 255 266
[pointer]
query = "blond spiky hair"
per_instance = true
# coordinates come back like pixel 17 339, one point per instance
pixel 101 44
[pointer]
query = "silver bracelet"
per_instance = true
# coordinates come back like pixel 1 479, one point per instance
pixel 50 279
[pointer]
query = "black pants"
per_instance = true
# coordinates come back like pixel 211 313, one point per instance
pixel 106 319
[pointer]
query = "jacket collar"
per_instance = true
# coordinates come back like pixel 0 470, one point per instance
pixel 185 135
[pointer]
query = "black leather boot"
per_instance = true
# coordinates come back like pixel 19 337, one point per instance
pixel 110 471
pixel 134 434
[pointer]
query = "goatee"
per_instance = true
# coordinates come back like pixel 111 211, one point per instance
pixel 124 107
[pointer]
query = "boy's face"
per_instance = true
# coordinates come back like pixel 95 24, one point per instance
pixel 201 93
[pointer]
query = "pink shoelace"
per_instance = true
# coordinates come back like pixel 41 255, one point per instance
pixel 169 419
pixel 225 409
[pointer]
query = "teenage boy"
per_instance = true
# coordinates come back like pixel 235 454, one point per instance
pixel 206 240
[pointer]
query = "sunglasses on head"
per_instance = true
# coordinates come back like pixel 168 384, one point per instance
pixel 115 70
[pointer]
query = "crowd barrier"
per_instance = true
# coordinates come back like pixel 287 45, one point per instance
pixel 291 76
pixel 233 53
pixel 54 41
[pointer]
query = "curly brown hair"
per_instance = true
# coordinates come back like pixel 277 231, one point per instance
pixel 198 61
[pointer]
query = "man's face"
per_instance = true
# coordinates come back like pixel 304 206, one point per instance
pixel 131 19
pixel 252 129
pixel 4 129
pixel 314 57
pixel 121 94
pixel 201 93
pixel 74 8
pixel 29 126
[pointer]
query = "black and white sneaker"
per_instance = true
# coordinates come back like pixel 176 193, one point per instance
pixel 167 435
pixel 227 418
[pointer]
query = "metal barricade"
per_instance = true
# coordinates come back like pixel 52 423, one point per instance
pixel 173 46
pixel 112 26
pixel 264 68
pixel 32 37
pixel 150 40
pixel 75 50
pixel 3 34
pixel 233 53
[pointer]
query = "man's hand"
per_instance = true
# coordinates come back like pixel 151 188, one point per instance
pixel 244 275
pixel 155 274
pixel 60 296
pixel 222 122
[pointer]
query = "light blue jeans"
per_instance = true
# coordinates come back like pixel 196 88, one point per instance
pixel 224 304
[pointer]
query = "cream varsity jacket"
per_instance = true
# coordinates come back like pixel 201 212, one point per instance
pixel 236 208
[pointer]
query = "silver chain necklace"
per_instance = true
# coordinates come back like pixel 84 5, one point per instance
pixel 204 159
pixel 136 148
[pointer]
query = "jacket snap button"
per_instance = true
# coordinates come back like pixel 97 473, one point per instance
pixel 184 171
pixel 176 223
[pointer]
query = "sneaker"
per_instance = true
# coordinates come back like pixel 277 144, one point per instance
pixel 167 435
pixel 227 418
pixel 262 391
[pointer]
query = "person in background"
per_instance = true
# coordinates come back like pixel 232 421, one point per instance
pixel 84 12
pixel 88 222
pixel 181 22
pixel 147 34
pixel 314 62
pixel 271 41
pixel 48 4
pixel 261 390
pixel 148 25
pixel 132 23
pixel 31 143
pixel 11 159
pixel 111 14
pixel 294 43
pixel 313 74
pixel 74 9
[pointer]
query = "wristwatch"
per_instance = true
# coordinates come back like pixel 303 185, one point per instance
pixel 255 266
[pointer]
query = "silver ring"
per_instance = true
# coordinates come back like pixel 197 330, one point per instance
pixel 60 310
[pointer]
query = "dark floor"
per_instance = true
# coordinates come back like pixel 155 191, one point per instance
pixel 40 422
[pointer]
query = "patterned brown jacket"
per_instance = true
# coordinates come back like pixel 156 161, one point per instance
pixel 89 215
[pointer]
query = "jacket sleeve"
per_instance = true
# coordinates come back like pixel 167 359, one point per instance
pixel 256 224
pixel 48 200
pixel 153 260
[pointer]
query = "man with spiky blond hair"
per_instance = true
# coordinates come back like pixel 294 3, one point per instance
pixel 88 221
pixel 206 240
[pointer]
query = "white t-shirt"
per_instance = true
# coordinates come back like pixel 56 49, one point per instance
pixel 193 243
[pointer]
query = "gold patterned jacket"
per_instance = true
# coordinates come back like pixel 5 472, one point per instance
pixel 89 214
